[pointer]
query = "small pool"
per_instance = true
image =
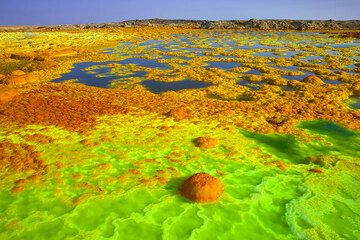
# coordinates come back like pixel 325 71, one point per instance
pixel 295 77
pixel 345 45
pixel 355 103
pixel 79 74
pixel 256 46
pixel 285 68
pixel 159 86
pixel 151 42
pixel 253 86
pixel 333 82
pixel 286 54
pixel 313 58
pixel 223 65
pixel 97 77
pixel 143 62
pixel 253 72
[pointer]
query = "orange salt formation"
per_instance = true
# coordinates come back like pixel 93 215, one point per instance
pixel 312 79
pixel 7 95
pixel 179 114
pixel 20 157
pixel 202 188
pixel 205 142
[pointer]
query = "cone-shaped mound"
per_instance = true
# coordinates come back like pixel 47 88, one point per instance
pixel 312 79
pixel 202 187
pixel 205 142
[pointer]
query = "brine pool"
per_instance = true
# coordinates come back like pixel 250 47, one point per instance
pixel 238 54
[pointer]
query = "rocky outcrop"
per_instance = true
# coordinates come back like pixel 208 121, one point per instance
pixel 265 24
pixel 221 24
pixel 292 25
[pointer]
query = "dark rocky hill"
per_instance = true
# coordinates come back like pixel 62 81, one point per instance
pixel 265 24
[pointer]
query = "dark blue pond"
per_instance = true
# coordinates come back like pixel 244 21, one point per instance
pixel 194 49
pixel 287 54
pixel 91 78
pixel 253 72
pixel 151 42
pixel 222 56
pixel 223 65
pixel 253 86
pixel 82 76
pixel 286 68
pixel 148 63
pixel 312 58
pixel 344 45
pixel 256 46
pixel 333 82
pixel 159 87
pixel 298 77
pixel 351 66
pixel 186 40
pixel 295 77
pixel 355 103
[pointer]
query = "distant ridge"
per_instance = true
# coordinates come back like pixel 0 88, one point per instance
pixel 265 24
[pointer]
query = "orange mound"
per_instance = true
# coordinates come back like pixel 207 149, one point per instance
pixel 179 114
pixel 313 80
pixel 206 142
pixel 202 187
pixel 7 94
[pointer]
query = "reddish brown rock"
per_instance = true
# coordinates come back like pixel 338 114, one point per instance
pixel 17 189
pixel 316 170
pixel 202 188
pixel 277 163
pixel 41 58
pixel 20 57
pixel 206 142
pixel 20 182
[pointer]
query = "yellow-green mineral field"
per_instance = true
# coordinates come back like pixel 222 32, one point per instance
pixel 179 133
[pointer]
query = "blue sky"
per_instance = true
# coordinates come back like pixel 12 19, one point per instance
pixel 46 12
